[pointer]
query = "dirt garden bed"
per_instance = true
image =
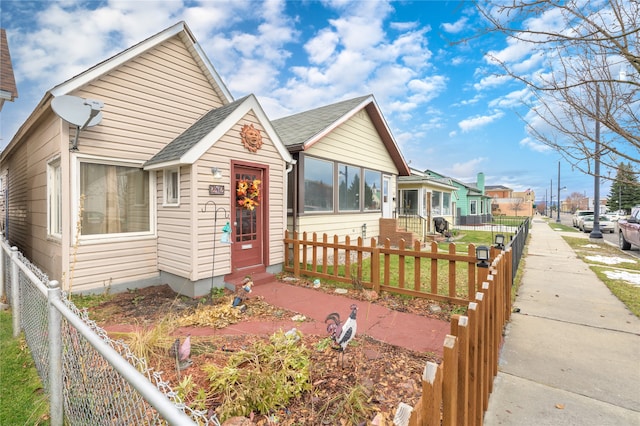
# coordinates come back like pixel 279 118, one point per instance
pixel 375 378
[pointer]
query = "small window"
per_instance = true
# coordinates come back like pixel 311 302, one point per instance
pixel 172 187
pixel 474 207
pixel 54 202
pixel 436 203
pixel 446 203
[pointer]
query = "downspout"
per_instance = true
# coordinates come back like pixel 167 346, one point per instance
pixel 294 207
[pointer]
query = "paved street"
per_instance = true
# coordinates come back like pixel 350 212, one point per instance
pixel 566 219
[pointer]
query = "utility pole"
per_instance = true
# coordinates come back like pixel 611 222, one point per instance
pixel 558 219
pixel 596 234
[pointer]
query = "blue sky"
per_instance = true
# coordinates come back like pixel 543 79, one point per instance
pixel 443 102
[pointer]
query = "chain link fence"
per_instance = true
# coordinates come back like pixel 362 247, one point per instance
pixel 90 379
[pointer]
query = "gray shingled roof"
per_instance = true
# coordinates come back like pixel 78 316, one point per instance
pixel 194 134
pixel 299 128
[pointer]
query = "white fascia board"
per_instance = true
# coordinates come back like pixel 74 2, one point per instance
pixel 164 165
pixel 251 103
pixel 213 72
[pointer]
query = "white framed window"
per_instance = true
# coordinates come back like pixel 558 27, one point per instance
pixel 436 203
pixel 473 207
pixel 116 198
pixel 446 203
pixel 54 199
pixel 172 187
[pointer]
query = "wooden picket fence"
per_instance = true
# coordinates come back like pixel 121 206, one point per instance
pixel 343 262
pixel 456 391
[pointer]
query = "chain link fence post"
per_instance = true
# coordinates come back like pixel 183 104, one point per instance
pixel 2 277
pixel 56 397
pixel 15 295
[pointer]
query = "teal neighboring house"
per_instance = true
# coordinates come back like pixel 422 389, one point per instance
pixel 473 207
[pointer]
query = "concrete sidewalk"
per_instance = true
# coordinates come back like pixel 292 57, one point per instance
pixel 572 354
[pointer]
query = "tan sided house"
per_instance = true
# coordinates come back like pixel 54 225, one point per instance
pixel 175 170
pixel 344 180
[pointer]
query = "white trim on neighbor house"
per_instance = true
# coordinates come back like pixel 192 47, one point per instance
pixel 78 158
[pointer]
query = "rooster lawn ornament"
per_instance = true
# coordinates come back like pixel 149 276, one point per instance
pixel 340 333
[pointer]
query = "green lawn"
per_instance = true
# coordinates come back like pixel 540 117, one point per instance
pixel 22 401
pixel 462 240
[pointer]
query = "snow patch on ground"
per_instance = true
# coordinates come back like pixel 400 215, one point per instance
pixel 629 277
pixel 609 260
pixel 591 246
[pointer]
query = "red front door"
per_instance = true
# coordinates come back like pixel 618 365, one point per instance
pixel 249 217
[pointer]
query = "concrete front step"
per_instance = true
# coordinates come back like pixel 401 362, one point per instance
pixel 258 275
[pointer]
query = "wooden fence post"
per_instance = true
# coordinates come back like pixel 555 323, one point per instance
pixel 462 333
pixel 314 254
pixel 471 274
pixel 305 249
pixel 432 393
pixel 417 263
pixel 488 348
pixel 481 374
pixel 296 255
pixel 472 312
pixel 375 269
pixel 434 269
pixel 450 382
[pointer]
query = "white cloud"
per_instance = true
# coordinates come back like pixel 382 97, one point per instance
pixel 403 26
pixel 321 47
pixel 491 82
pixel 512 99
pixel 473 123
pixel 534 145
pixel 468 170
pixel 457 26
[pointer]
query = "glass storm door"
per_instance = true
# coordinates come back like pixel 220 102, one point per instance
pixel 386 199
pixel 248 216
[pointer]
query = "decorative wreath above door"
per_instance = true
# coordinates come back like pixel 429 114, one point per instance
pixel 248 193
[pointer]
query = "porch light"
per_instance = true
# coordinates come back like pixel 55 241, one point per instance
pixel 499 241
pixel 482 254
pixel 217 174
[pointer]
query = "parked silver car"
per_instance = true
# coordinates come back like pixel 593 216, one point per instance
pixel 578 215
pixel 604 223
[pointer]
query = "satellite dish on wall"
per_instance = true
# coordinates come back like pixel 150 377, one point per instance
pixel 80 112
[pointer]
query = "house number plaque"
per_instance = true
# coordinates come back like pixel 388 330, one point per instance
pixel 216 189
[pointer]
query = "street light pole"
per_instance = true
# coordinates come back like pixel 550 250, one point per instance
pixel 551 199
pixel 558 219
pixel 595 233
